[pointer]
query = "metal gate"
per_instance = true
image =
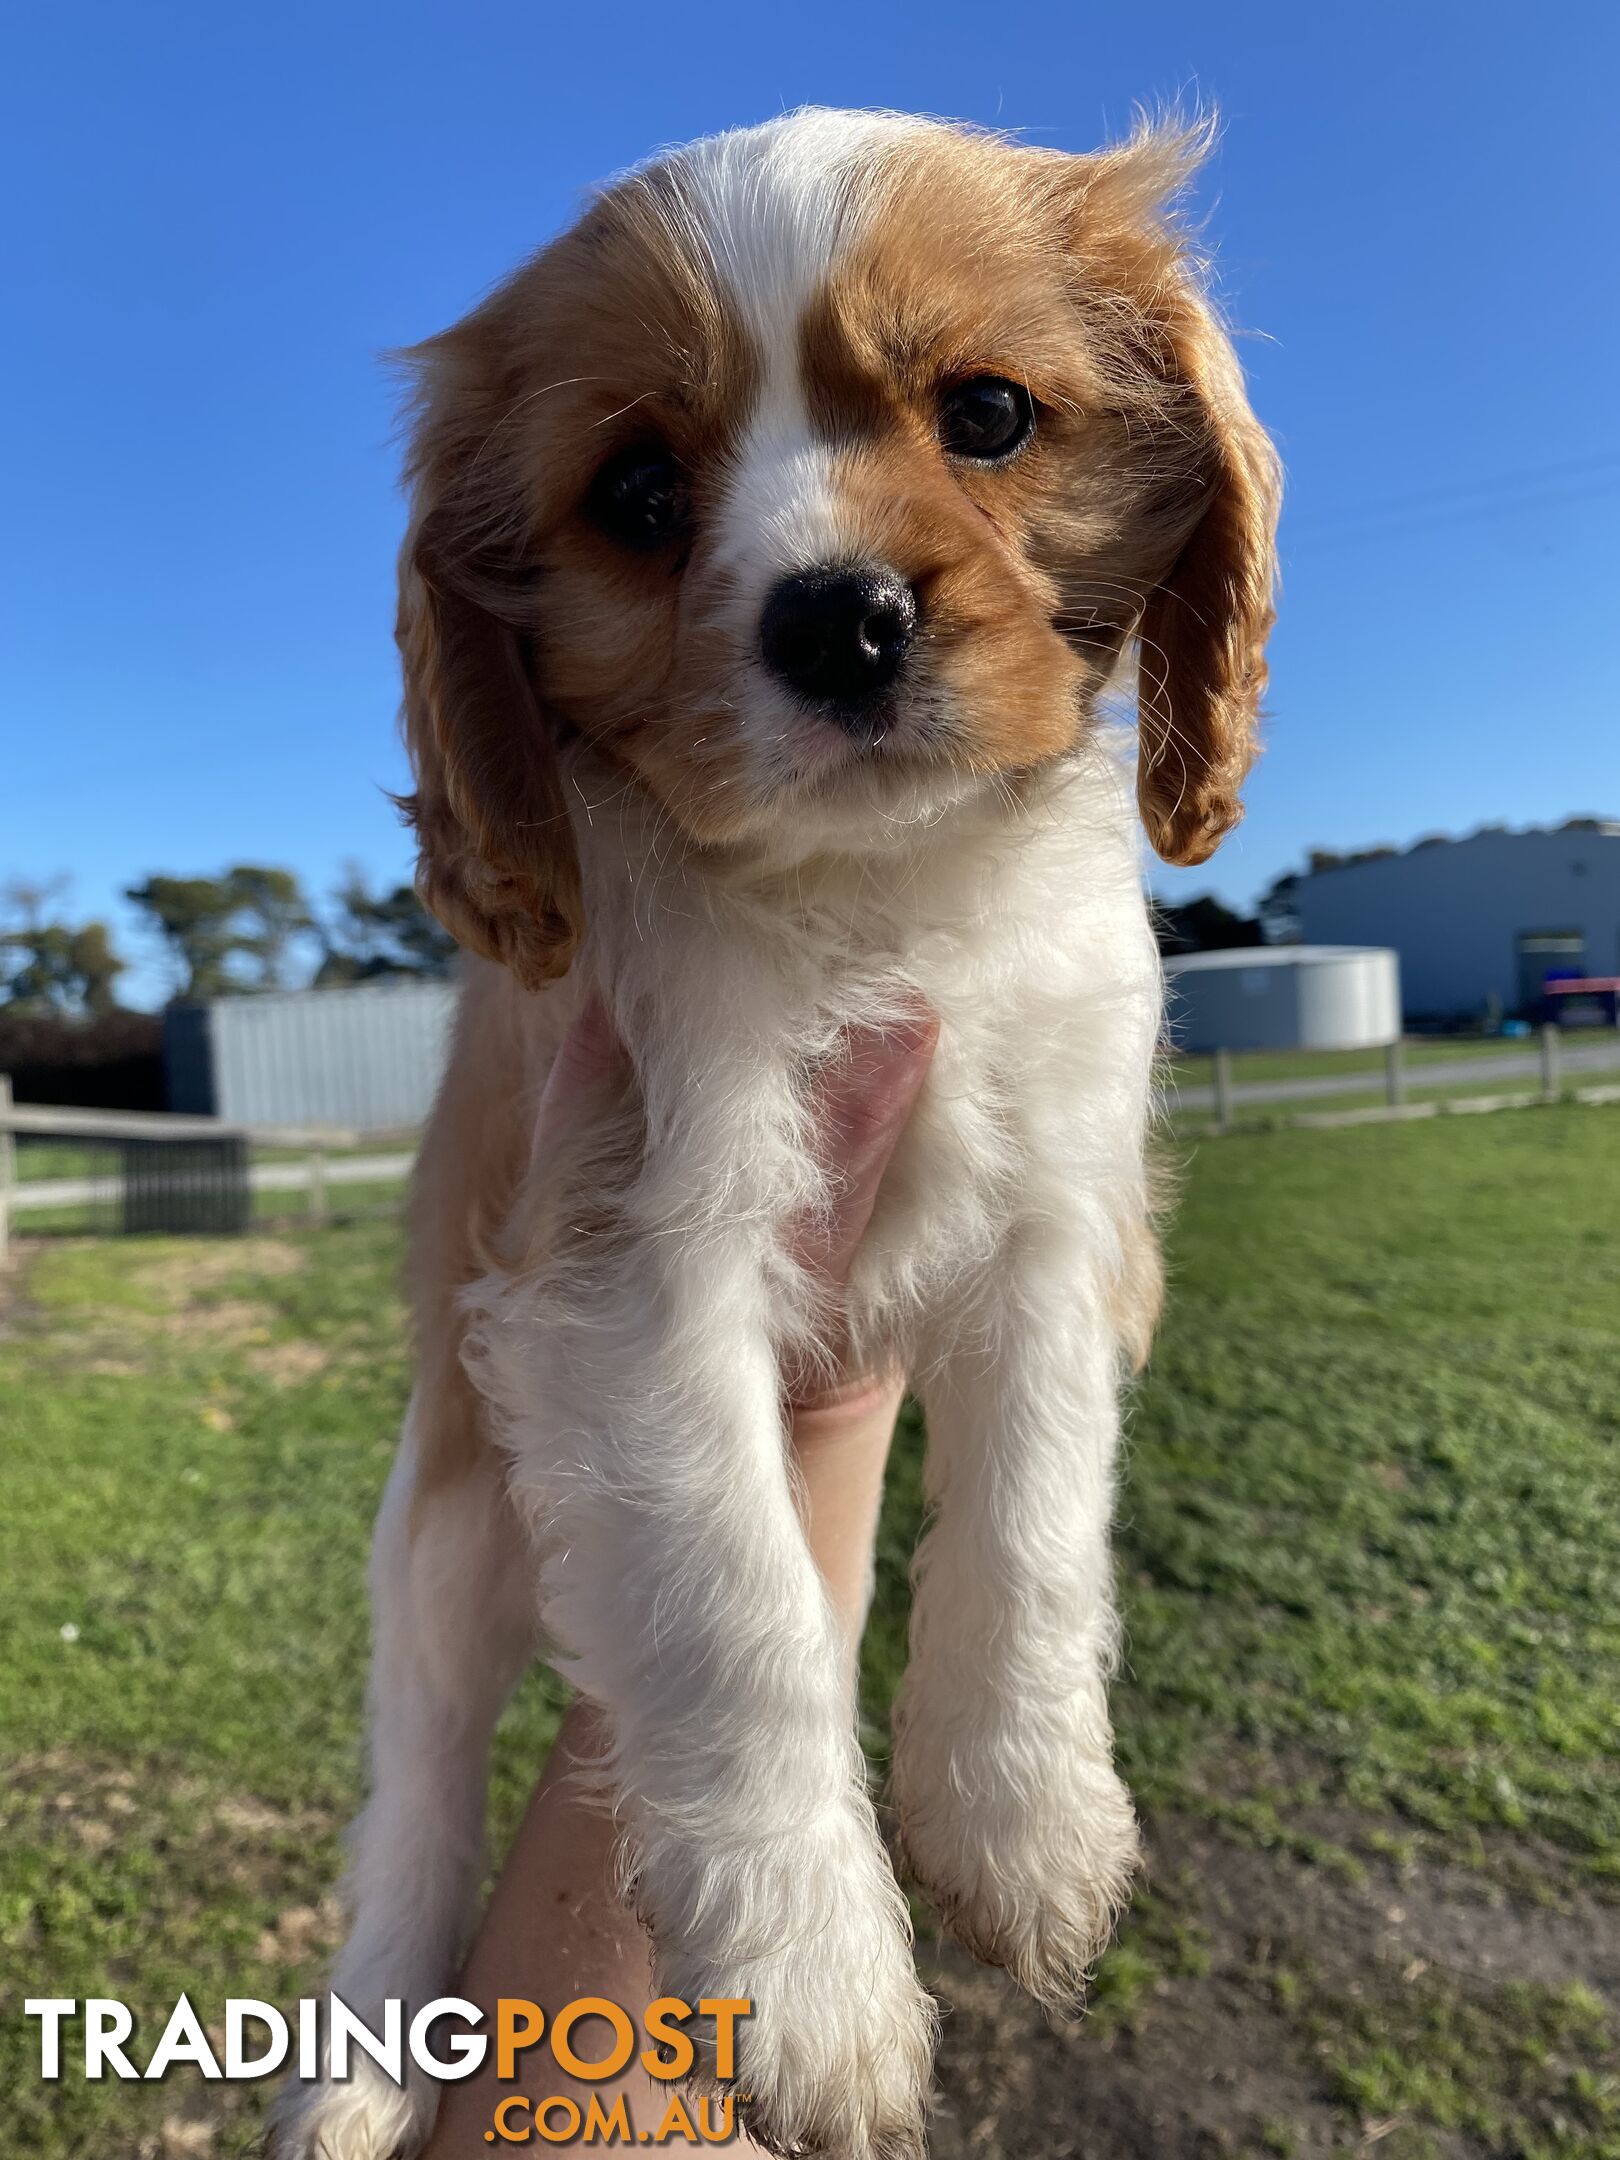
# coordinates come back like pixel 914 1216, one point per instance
pixel 196 1187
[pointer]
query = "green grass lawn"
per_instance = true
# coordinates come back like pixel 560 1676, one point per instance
pixel 99 1214
pixel 42 1157
pixel 1269 1117
pixel 1361 1073
pixel 1323 1064
pixel 1370 1560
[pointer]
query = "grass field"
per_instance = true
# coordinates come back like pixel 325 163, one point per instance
pixel 1190 1125
pixel 1370 1560
pixel 1489 1067
pixel 1323 1064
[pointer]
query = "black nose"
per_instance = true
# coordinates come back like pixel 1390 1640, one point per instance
pixel 838 636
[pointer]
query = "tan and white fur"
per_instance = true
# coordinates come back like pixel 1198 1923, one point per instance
pixel 615 794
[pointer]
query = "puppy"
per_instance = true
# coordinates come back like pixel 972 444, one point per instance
pixel 775 534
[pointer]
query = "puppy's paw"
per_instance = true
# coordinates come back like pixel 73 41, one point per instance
pixel 835 2057
pixel 364 2116
pixel 1030 1872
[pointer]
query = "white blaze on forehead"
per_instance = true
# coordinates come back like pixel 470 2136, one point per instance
pixel 770 208
pixel 772 205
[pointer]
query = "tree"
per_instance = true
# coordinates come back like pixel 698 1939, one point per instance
pixel 93 969
pixel 48 965
pixel 273 912
pixel 27 901
pixel 195 917
pixel 56 968
pixel 369 935
pixel 1278 910
pixel 229 933
pixel 1203 925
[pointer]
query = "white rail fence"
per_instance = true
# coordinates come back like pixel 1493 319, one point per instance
pixel 1548 1061
pixel 177 1171
pixel 160 1186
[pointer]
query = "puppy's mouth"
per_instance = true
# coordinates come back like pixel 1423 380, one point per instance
pixel 893 756
pixel 893 732
pixel 865 727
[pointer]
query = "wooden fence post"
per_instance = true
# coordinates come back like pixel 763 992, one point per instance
pixel 1223 1091
pixel 1549 1061
pixel 1395 1073
pixel 8 1165
pixel 317 1187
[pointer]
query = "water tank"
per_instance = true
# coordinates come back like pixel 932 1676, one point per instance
pixel 1285 997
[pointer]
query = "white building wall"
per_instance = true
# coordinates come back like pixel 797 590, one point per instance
pixel 1455 910
pixel 368 1055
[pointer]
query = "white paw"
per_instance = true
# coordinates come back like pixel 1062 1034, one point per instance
pixel 835 2059
pixel 1027 1860
pixel 364 2116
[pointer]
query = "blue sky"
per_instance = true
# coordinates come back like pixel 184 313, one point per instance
pixel 219 217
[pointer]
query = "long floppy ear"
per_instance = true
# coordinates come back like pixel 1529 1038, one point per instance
pixel 1207 603
pixel 496 861
pixel 1202 668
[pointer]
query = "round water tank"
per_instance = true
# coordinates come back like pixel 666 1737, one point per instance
pixel 1285 997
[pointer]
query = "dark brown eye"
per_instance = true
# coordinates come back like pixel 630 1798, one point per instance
pixel 985 418
pixel 639 498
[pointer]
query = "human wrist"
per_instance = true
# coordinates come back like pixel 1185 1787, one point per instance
pixel 843 1404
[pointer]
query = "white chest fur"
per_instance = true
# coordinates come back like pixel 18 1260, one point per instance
pixel 1024 929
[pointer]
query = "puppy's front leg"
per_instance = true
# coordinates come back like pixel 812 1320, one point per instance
pixel 1012 1816
pixel 640 1405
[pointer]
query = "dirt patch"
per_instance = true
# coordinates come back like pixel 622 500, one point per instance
pixel 192 1302
pixel 1394 1910
pixel 1204 2068
pixel 176 1278
pixel 186 2137
pixel 287 1363
pixel 302 1935
pixel 18 1314
pixel 191 2133
pixel 84 1797
pixel 122 1342
pixel 227 1322
pixel 248 1821
pixel 57 1775
pixel 1215 2063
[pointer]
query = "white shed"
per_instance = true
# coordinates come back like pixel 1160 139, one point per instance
pixel 368 1055
pixel 1285 997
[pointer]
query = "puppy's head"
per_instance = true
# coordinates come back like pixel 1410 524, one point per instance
pixel 818 477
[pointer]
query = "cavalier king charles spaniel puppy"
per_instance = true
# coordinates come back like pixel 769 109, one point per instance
pixel 776 534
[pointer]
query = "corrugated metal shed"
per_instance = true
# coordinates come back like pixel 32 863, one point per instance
pixel 1478 923
pixel 1285 997
pixel 370 1056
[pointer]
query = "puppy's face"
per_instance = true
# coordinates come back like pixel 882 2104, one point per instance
pixel 819 477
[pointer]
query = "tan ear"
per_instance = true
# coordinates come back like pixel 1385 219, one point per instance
pixel 1204 626
pixel 1208 605
pixel 497 863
